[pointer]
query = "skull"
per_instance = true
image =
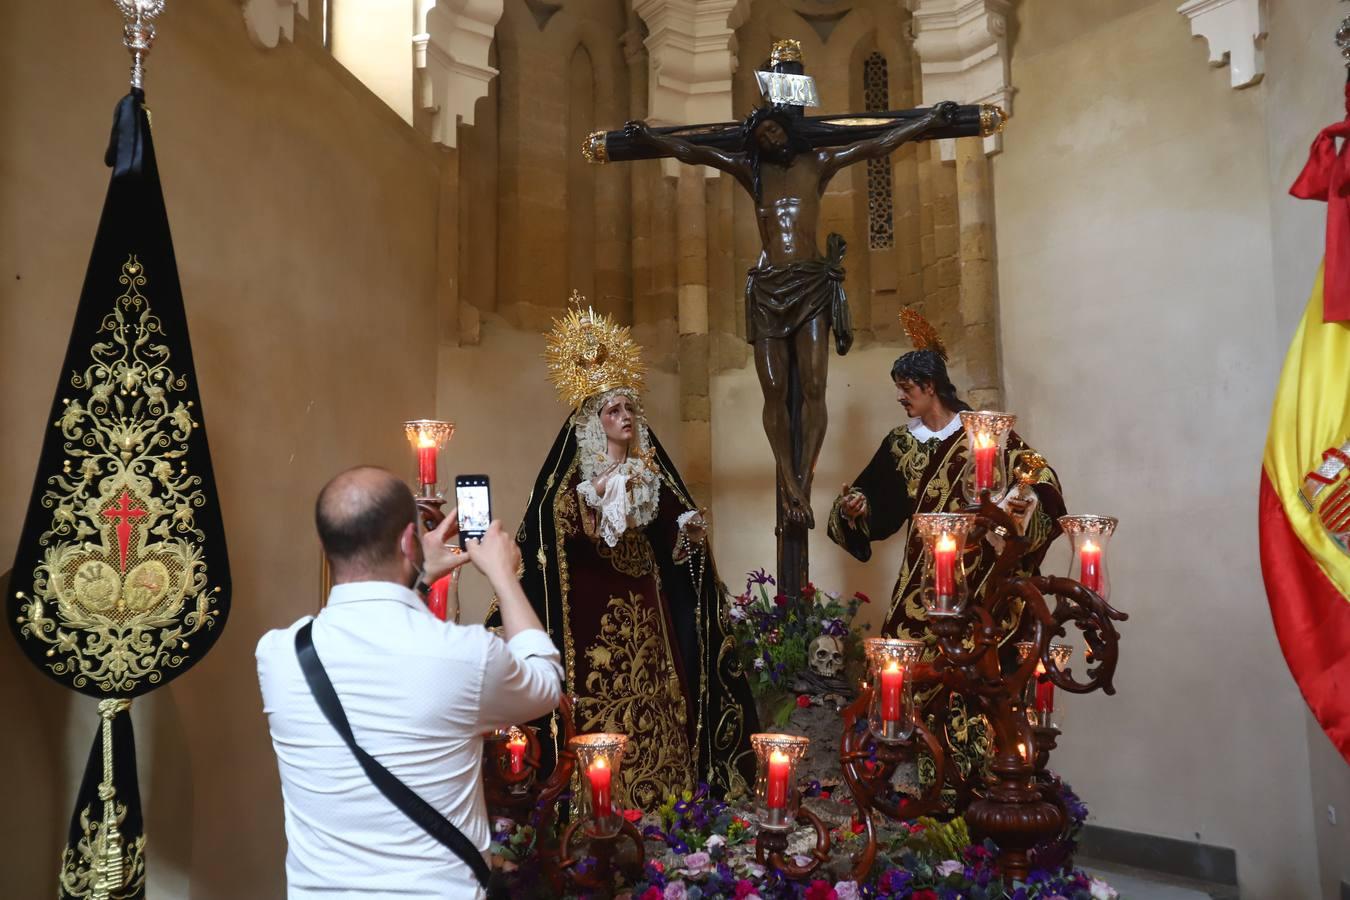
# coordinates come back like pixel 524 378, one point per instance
pixel 825 656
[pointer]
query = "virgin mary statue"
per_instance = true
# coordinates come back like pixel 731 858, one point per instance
pixel 617 564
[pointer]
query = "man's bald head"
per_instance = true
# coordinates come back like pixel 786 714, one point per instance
pixel 360 515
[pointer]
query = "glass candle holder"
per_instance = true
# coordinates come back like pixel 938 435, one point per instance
pixel 428 437
pixel 987 436
pixel 944 535
pixel 1039 698
pixel 1089 537
pixel 776 798
pixel 598 760
pixel 890 715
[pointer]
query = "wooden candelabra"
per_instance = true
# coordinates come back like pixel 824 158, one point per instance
pixel 1018 805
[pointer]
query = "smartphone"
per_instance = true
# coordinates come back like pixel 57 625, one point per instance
pixel 474 500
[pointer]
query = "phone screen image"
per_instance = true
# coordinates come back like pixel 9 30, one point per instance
pixel 475 507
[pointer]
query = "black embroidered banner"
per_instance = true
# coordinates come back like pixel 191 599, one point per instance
pixel 121 581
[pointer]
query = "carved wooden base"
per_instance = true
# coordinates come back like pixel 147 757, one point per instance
pixel 770 847
pixel 599 880
pixel 1013 815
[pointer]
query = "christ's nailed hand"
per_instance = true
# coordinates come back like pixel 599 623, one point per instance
pixel 942 113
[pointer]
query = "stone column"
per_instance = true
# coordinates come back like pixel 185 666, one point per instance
pixel 692 279
pixel 963 56
pixel 979 275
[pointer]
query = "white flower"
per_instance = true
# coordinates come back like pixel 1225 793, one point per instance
pixel 759 664
pixel 715 841
pixel 847 890
pixel 738 614
pixel 949 867
pixel 1100 890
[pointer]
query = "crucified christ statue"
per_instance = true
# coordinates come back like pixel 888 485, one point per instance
pixel 795 295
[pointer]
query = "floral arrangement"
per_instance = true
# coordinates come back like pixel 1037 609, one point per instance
pixel 914 872
pixel 711 857
pixel 774 631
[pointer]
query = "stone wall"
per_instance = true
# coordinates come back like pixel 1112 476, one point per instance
pixel 304 215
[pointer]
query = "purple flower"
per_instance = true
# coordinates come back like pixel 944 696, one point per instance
pixel 949 867
pixel 847 890
pixel 695 863
pixel 675 891
pixel 759 576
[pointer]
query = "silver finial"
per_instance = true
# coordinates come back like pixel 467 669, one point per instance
pixel 138 34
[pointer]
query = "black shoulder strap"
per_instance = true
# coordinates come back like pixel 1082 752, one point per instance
pixel 398 793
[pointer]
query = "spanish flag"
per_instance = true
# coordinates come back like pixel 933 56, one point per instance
pixel 1305 516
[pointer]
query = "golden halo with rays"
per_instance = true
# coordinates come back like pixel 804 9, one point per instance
pixel 588 352
pixel 921 332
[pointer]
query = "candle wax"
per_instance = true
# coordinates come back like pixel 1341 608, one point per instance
pixel 985 448
pixel 426 464
pixel 1090 566
pixel 892 681
pixel 517 748
pixel 776 795
pixel 944 566
pixel 438 598
pixel 599 775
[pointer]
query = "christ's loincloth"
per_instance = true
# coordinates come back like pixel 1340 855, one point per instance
pixel 781 299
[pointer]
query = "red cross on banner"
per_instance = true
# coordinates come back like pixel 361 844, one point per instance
pixel 123 513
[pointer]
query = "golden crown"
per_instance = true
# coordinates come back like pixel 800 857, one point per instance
pixel 788 50
pixel 588 353
pixel 921 333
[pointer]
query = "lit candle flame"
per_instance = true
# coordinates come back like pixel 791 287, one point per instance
pixel 893 666
pixel 1022 751
pixel 778 756
pixel 426 439
pixel 600 763
pixel 946 543
pixel 1040 668
pixel 983 439
pixel 1089 547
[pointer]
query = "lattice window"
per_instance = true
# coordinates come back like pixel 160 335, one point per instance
pixel 877 98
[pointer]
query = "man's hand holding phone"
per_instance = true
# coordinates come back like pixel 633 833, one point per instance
pixel 440 557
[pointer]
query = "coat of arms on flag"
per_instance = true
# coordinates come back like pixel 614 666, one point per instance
pixel 1326 493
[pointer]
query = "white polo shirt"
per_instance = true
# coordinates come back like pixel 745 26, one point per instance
pixel 419 693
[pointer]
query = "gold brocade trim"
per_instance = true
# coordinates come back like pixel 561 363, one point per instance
pixel 123 558
pixel 634 688
pixel 564 581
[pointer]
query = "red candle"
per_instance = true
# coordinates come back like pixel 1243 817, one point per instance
pixel 944 567
pixel 892 680
pixel 599 775
pixel 1045 691
pixel 1090 566
pixel 776 795
pixel 517 747
pixel 438 598
pixel 985 448
pixel 426 460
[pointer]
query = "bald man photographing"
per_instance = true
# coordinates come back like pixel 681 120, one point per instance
pixel 377 708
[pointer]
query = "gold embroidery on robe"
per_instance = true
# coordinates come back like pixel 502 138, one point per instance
pixel 633 688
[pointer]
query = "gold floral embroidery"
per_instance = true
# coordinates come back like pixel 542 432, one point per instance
pixel 634 688
pixel 123 557
pixel 565 508
pixel 632 556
